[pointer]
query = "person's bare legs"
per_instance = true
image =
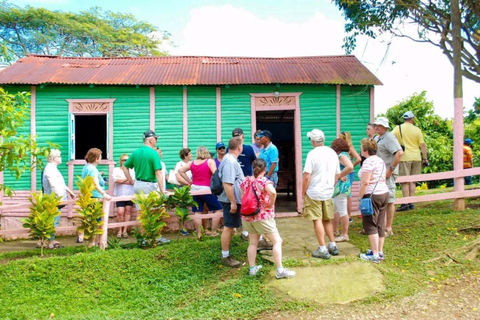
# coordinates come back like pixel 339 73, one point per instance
pixel 252 248
pixel 215 222
pixel 120 218
pixel 128 216
pixel 373 239
pixel 198 225
pixel 336 222
pixel 319 232
pixel 277 241
pixel 328 227
pixel 412 188
pixel 381 241
pixel 226 238
pixel 390 216
pixel 405 189
pixel 345 224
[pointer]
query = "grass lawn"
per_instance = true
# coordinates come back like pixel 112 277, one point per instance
pixel 184 279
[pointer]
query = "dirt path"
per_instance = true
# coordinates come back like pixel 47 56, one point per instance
pixel 455 299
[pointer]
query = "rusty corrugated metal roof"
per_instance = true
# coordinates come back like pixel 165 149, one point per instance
pixel 185 70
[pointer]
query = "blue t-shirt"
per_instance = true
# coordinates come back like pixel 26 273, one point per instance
pixel 92 171
pixel 246 159
pixel 270 155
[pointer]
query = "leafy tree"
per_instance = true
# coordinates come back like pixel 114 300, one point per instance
pixel 434 25
pixel 41 220
pixel 92 33
pixel 15 149
pixel 437 132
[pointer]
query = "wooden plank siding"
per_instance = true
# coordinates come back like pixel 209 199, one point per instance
pixel 202 118
pixel 355 113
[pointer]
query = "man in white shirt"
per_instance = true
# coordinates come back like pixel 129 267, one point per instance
pixel 53 182
pixel 321 172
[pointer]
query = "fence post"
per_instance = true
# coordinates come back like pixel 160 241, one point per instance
pixel 106 213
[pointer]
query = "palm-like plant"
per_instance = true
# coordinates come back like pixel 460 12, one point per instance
pixel 182 200
pixel 41 220
pixel 90 211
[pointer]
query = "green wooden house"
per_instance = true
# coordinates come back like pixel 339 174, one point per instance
pixel 79 103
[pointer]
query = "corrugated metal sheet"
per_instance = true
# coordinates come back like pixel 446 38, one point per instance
pixel 173 70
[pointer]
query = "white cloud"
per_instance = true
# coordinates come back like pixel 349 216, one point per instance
pixel 407 68
pixel 230 31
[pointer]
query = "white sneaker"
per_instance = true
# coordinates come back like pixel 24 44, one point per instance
pixel 163 240
pixel 253 271
pixel 286 274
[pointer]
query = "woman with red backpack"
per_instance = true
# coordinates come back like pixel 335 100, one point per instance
pixel 258 213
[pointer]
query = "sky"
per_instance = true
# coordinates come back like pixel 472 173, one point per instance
pixel 286 28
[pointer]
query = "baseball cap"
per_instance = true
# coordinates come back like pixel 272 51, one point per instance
pixel 381 121
pixel 316 135
pixel 468 141
pixel 149 133
pixel 220 145
pixel 265 133
pixel 237 132
pixel 408 115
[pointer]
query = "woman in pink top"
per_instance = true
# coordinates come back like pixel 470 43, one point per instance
pixel 263 222
pixel 373 177
pixel 202 170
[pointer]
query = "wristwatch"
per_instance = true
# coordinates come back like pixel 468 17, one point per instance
pixel 392 168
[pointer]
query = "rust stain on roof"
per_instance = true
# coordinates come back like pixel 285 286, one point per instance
pixel 186 70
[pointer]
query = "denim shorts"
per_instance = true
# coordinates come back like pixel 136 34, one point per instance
pixel 210 200
pixel 231 220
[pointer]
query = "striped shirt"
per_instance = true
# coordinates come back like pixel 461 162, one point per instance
pixel 376 166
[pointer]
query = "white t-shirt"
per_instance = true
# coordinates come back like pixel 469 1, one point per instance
pixel 322 163
pixel 164 172
pixel 122 189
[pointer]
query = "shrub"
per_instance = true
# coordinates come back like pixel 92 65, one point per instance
pixel 153 208
pixel 182 200
pixel 90 211
pixel 41 220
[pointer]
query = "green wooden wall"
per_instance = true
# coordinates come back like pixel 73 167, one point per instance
pixel 132 112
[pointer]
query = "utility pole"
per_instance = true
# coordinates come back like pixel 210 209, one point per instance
pixel 459 204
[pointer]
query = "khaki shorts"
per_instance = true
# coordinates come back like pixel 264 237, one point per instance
pixel 391 188
pixel 317 209
pixel 266 226
pixel 410 168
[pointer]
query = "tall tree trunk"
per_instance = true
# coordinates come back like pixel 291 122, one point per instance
pixel 459 204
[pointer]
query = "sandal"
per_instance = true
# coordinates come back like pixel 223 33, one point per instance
pixel 208 232
pixel 214 234
pixel 119 235
pixel 125 235
pixel 55 245
pixel 39 245
pixel 342 238
pixel 78 240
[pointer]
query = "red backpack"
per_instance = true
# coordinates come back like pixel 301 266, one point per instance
pixel 250 202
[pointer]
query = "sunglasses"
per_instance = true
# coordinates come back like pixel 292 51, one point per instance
pixel 221 148
pixel 123 159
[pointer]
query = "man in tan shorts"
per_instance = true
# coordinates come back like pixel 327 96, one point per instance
pixel 321 172
pixel 410 138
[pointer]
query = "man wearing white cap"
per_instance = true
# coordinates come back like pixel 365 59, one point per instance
pixel 390 151
pixel 321 172
pixel 410 138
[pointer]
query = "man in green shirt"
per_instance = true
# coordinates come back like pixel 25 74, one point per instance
pixel 148 169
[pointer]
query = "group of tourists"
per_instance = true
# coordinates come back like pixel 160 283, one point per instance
pixel 326 186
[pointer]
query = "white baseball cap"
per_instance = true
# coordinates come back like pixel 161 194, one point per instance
pixel 316 135
pixel 381 121
pixel 408 115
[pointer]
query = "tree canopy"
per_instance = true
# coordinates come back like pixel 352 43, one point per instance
pixel 91 33
pixel 432 18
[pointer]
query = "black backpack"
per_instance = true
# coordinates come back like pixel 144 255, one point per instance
pixel 216 185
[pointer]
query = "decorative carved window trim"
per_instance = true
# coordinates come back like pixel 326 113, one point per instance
pixel 90 106
pixel 272 101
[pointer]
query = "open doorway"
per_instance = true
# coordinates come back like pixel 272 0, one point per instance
pixel 90 132
pixel 281 124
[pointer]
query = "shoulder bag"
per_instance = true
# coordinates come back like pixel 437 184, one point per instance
pixel 366 205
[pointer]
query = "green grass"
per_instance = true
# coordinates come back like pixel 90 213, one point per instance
pixel 421 236
pixel 184 279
